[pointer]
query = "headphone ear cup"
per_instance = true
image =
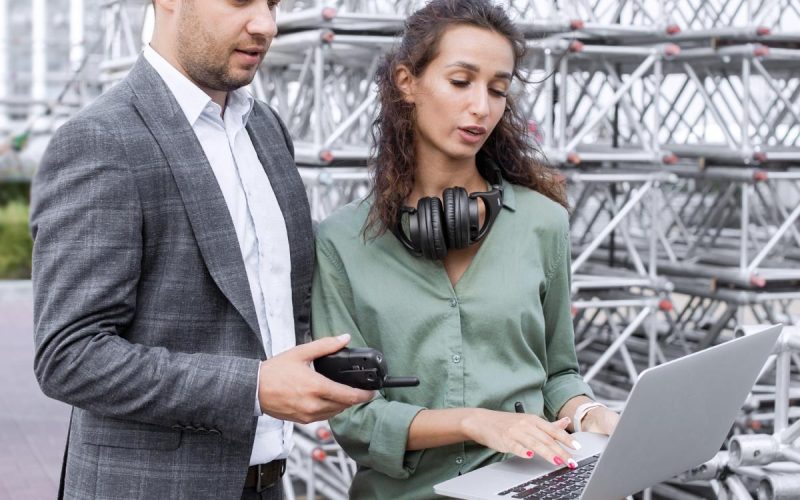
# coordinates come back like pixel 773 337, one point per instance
pixel 431 234
pixel 457 217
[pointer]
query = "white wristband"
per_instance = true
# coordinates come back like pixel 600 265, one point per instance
pixel 582 411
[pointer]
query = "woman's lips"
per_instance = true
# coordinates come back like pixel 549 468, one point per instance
pixel 472 135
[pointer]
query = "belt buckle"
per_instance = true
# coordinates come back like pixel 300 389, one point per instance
pixel 262 469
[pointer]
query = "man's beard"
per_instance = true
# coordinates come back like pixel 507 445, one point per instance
pixel 196 53
pixel 212 74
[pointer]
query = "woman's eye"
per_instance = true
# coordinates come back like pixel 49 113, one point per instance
pixel 459 83
pixel 498 93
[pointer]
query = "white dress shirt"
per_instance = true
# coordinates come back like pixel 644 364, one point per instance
pixel 257 218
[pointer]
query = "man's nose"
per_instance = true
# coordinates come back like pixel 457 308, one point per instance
pixel 262 21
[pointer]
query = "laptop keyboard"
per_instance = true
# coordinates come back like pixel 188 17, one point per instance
pixel 561 484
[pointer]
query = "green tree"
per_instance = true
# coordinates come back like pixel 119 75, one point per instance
pixel 16 245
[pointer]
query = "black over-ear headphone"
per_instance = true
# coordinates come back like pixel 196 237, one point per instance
pixel 433 227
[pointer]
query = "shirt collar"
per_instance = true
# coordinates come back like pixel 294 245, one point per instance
pixel 191 98
pixel 509 200
pixel 240 103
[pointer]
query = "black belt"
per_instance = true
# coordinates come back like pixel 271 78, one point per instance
pixel 265 476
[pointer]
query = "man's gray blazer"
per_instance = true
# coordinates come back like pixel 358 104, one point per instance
pixel 144 321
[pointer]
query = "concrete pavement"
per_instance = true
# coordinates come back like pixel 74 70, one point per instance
pixel 33 428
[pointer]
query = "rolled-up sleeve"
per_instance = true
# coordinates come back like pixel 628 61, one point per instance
pixel 374 434
pixel 564 381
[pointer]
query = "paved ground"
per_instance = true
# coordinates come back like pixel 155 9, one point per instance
pixel 33 428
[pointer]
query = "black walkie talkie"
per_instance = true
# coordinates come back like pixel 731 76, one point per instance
pixel 360 367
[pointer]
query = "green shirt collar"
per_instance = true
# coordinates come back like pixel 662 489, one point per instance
pixel 509 200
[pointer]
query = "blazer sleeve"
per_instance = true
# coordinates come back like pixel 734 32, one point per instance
pixel 86 221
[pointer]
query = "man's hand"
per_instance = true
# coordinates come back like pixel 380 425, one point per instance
pixel 289 389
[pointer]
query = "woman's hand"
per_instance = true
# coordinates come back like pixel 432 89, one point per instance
pixel 600 420
pixel 523 435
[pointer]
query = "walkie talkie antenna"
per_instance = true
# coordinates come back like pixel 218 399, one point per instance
pixel 400 382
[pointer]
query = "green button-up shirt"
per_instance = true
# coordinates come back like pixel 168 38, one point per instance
pixel 502 334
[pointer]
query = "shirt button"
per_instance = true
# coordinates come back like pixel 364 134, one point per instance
pixel 456 358
pixel 460 460
pixel 453 302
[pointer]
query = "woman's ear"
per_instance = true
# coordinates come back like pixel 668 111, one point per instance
pixel 405 83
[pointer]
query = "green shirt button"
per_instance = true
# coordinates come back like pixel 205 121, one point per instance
pixel 453 302
pixel 460 460
pixel 456 358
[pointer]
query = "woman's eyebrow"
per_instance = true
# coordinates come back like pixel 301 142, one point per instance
pixel 471 67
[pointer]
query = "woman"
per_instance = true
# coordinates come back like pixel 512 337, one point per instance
pixel 472 298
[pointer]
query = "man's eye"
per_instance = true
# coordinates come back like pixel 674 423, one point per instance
pixel 459 83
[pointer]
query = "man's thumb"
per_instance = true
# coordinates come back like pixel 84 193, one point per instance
pixel 322 347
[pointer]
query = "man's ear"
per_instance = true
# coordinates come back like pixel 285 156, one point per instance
pixel 405 83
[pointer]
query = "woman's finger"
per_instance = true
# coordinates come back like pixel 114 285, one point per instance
pixel 547 448
pixel 557 432
pixel 519 449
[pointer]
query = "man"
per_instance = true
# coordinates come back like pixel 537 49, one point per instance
pixel 172 267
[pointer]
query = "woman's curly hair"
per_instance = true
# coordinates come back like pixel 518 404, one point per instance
pixel 393 155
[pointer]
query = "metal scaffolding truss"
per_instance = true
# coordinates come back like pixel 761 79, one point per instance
pixel 602 104
pixel 616 295
pixel 704 312
pixel 736 103
pixel 708 16
pixel 538 16
pixel 535 17
pixel 321 83
pixel 746 100
pixel 737 226
pixel 317 464
pixel 329 189
pixel 613 211
pixel 588 18
pixel 617 336
pixel 123 22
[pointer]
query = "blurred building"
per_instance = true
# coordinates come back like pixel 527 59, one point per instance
pixel 51 53
pixel 42 45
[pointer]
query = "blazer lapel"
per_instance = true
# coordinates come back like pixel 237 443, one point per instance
pixel 272 151
pixel 202 197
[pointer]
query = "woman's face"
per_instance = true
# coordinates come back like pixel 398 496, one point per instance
pixel 461 95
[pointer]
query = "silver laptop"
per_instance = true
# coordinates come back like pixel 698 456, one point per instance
pixel 676 417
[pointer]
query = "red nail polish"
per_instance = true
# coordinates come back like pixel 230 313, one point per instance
pixel 530 454
pixel 558 461
pixel 572 465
